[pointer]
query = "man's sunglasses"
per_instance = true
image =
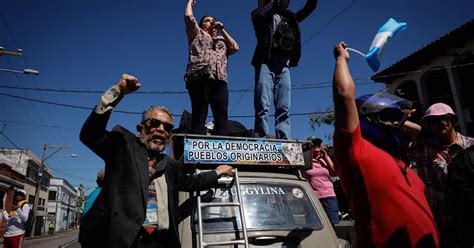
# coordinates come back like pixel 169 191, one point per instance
pixel 390 114
pixel 155 123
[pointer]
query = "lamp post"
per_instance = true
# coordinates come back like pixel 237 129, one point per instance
pixel 18 52
pixel 25 71
pixel 40 175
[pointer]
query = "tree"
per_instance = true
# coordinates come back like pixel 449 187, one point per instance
pixel 320 118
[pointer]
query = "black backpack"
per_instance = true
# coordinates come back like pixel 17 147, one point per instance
pixel 29 221
pixel 284 37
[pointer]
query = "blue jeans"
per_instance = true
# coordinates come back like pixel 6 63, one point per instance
pixel 331 209
pixel 272 81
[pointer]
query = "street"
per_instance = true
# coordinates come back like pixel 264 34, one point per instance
pixel 64 239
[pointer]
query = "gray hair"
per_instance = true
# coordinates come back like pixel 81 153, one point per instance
pixel 146 114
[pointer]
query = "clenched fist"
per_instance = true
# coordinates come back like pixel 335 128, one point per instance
pixel 128 84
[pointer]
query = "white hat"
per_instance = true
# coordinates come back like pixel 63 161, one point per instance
pixel 21 191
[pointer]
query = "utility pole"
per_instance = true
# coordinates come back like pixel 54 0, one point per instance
pixel 39 179
pixel 18 52
pixel 58 189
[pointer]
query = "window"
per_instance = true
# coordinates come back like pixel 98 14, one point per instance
pixel 31 199
pixel 32 173
pixel 52 196
pixel 275 206
pixel 2 199
pixel 438 89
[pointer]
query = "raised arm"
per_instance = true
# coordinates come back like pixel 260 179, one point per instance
pixel 192 27
pixel 329 163
pixel 347 117
pixel 23 212
pixel 307 9
pixel 93 133
pixel 188 11
pixel 265 12
pixel 412 129
pixel 5 215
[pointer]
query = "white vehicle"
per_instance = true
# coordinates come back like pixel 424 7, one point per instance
pixel 261 206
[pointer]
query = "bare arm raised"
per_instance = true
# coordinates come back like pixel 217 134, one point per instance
pixel 188 11
pixel 307 9
pixel 347 117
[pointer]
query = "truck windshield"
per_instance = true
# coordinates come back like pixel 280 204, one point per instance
pixel 266 205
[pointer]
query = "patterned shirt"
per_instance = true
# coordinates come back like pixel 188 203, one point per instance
pixel 432 160
pixel 205 50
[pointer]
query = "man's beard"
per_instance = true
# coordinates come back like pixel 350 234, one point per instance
pixel 151 145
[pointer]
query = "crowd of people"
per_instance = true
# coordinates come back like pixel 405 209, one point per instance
pixel 396 172
pixel 407 184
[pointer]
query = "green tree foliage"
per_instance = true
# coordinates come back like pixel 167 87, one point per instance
pixel 325 117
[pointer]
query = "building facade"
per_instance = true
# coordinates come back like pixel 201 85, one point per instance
pixel 19 169
pixel 62 204
pixel 442 71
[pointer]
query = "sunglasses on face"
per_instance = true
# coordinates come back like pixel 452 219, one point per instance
pixel 155 123
pixel 436 119
pixel 390 114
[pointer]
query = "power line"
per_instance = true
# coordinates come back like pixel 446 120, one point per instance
pixel 73 176
pixel 294 87
pixel 34 82
pixel 329 22
pixel 20 104
pixel 136 113
pixel 424 70
pixel 22 151
pixel 303 86
pixel 36 125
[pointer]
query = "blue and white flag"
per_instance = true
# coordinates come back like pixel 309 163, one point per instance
pixel 387 31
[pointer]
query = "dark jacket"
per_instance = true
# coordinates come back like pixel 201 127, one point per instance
pixel 460 195
pixel 262 23
pixel 116 217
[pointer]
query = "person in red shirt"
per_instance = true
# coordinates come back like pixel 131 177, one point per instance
pixel 387 198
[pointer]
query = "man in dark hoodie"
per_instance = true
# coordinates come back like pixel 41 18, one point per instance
pixel 278 48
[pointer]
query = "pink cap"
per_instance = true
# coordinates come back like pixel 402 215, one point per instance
pixel 438 109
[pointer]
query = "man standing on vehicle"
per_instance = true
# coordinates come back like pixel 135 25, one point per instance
pixel 278 48
pixel 387 198
pixel 138 204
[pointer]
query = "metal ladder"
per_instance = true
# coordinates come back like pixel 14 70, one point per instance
pixel 239 204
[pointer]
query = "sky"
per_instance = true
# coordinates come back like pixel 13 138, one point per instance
pixel 86 45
